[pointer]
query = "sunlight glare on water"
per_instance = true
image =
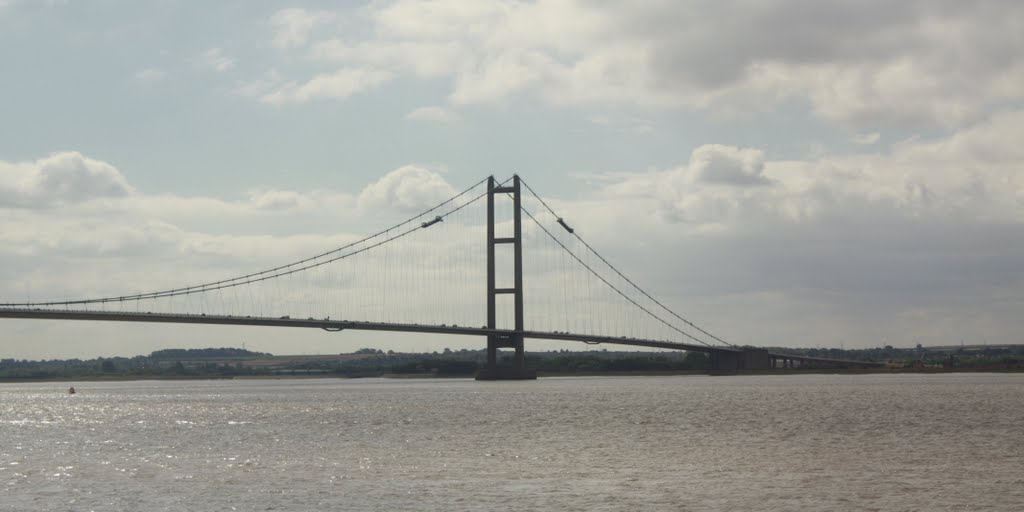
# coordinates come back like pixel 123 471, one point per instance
pixel 807 442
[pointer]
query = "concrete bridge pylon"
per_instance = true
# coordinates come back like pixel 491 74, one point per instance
pixel 513 339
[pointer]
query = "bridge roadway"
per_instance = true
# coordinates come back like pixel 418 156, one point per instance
pixel 970 348
pixel 727 353
pixel 333 325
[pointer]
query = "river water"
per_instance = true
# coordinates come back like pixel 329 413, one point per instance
pixel 799 442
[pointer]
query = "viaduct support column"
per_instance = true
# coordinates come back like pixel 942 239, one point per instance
pixel 510 338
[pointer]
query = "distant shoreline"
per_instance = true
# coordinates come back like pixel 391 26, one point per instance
pixel 400 376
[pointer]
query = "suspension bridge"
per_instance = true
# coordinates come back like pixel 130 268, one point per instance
pixel 431 274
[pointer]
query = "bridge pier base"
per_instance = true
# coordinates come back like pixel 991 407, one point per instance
pixel 727 362
pixel 517 371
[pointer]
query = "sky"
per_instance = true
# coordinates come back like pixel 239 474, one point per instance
pixel 782 172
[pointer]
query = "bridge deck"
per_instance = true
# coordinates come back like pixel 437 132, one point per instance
pixel 337 325
pixel 825 360
pixel 969 348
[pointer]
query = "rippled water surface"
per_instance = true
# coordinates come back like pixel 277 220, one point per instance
pixel 809 442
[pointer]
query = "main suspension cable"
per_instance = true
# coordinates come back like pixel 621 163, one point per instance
pixel 279 271
pixel 612 286
pixel 616 270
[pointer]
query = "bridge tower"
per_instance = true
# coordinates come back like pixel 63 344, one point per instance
pixel 513 338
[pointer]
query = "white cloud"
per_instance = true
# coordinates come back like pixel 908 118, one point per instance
pixel 860 63
pixel 428 59
pixel 293 26
pixel 338 85
pixel 150 75
pixel 255 89
pixel 922 241
pixel 65 177
pixel 719 187
pixel 867 138
pixel 972 176
pixel 629 125
pixel 67 204
pixel 276 199
pixel 715 163
pixel 71 214
pixel 436 114
pixel 410 188
pixel 214 59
